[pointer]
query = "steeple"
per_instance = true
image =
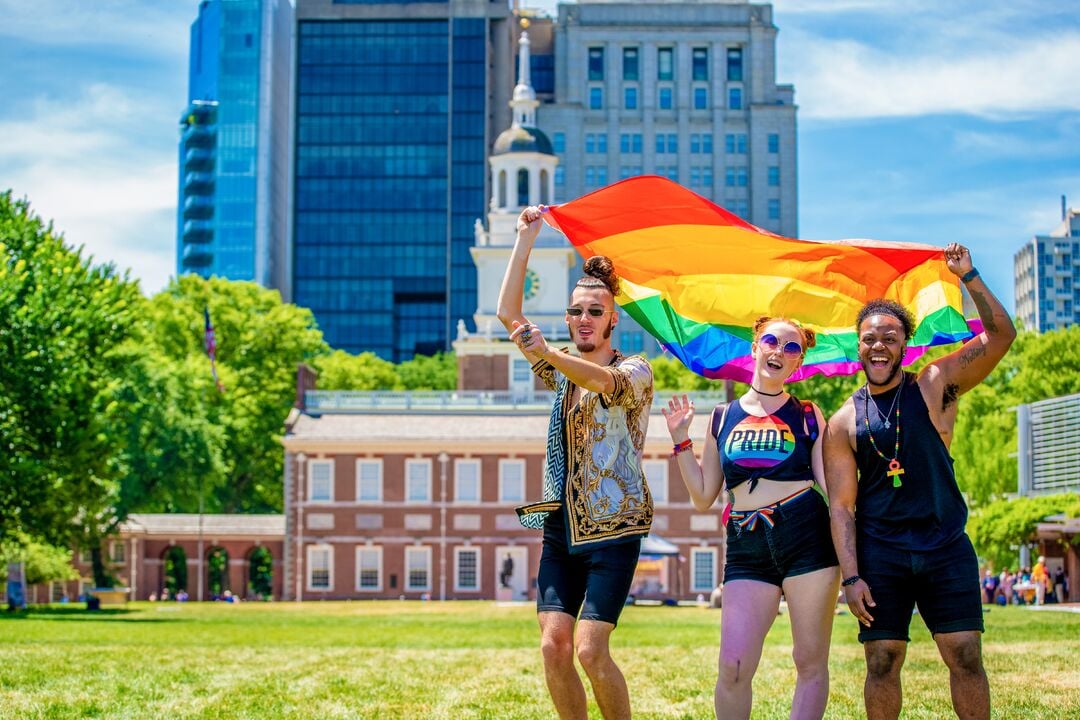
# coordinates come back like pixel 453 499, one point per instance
pixel 524 103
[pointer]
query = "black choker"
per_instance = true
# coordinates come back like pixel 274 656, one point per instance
pixel 759 392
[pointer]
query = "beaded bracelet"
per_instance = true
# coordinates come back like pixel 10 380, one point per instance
pixel 848 582
pixel 684 445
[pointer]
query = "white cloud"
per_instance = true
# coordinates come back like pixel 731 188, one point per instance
pixel 848 79
pixel 82 165
pixel 147 27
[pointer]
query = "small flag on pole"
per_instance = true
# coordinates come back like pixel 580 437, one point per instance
pixel 210 342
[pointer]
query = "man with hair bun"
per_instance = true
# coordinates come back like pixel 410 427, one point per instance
pixel 897 513
pixel 596 505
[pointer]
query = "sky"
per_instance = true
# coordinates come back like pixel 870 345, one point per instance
pixel 919 120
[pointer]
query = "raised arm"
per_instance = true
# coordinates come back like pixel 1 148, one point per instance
pixel 965 368
pixel 704 481
pixel 839 460
pixel 513 284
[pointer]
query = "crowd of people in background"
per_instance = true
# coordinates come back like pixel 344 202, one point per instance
pixel 1036 585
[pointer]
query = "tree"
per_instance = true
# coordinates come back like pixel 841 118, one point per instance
pixel 43 562
pixel 260 343
pixel 367 371
pixel 63 321
pixel 435 372
pixel 998 529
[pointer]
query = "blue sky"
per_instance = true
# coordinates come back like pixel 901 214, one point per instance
pixel 920 121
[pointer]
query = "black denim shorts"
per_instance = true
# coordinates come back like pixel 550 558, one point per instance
pixel 779 541
pixel 594 583
pixel 944 583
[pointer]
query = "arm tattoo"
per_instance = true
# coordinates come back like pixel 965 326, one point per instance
pixel 986 313
pixel 949 396
pixel 968 356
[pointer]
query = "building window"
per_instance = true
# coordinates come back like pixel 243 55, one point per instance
pixel 774 209
pixel 630 143
pixel 740 208
pixel 672 143
pixel 629 171
pixel 734 65
pixel 735 177
pixel 656 475
pixel 417 568
pixel 560 176
pixel 667 143
pixel 511 481
pixel 701 98
pixel 774 143
pixel 695 144
pixel 523 187
pixel 706 143
pixel 630 63
pixel 735 143
pixel 700 64
pixel 558 142
pixel 735 98
pixel 630 98
pixel 321 481
pixel 57 591
pixel 116 551
pixel 467 481
pixel 596 63
pixel 596 143
pixel 369 481
pixel 466 569
pixel 596 98
pixel 86 556
pixel 774 176
pixel 665 99
pixel 369 568
pixel 418 481
pixel 320 567
pixel 671 172
pixel 702 569
pixel 665 63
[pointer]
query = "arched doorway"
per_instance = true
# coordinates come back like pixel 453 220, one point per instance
pixel 260 573
pixel 174 571
pixel 217 572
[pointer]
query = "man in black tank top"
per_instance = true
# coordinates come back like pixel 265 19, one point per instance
pixel 897 513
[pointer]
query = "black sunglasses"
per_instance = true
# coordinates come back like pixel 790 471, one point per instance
pixel 593 311
pixel 770 343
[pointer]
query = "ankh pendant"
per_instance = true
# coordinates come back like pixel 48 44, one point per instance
pixel 895 471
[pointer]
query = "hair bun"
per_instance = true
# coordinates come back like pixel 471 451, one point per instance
pixel 601 268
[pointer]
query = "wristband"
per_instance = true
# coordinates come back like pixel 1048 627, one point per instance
pixel 679 447
pixel 848 582
pixel 969 276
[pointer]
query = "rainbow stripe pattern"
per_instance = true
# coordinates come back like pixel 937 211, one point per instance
pixel 696 277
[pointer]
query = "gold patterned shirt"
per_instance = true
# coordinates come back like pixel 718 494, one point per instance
pixel 606 497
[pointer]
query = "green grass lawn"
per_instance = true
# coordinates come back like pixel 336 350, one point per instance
pixel 459 660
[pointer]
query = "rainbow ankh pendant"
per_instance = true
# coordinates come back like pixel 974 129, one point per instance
pixel 895 471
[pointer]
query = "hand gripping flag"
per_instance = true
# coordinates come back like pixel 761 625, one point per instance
pixel 696 277
pixel 210 342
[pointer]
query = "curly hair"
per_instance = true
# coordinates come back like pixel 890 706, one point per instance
pixel 881 306
pixel 809 337
pixel 600 273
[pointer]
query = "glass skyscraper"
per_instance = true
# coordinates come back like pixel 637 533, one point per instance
pixel 392 128
pixel 233 156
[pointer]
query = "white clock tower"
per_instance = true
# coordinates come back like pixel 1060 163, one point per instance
pixel 522 173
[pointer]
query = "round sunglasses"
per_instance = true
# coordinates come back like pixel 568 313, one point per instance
pixel 768 341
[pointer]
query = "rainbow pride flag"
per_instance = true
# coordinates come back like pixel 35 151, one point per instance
pixel 697 277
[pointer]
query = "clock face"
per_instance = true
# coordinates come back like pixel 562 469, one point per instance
pixel 532 284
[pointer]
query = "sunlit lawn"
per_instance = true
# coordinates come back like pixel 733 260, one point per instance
pixel 459 660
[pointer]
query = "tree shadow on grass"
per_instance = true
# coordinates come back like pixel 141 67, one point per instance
pixel 81 614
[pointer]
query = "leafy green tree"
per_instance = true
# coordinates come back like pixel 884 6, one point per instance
pixel 44 562
pixel 260 343
pixel 64 319
pixel 999 528
pixel 367 371
pixel 435 372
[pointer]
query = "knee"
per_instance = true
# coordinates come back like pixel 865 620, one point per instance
pixel 592 656
pixel 965 658
pixel 734 670
pixel 810 662
pixel 883 663
pixel 557 648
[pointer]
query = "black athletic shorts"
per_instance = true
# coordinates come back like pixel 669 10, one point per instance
pixel 779 541
pixel 594 583
pixel 943 583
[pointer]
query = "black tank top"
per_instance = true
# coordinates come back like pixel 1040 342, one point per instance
pixel 926 511
pixel 776 446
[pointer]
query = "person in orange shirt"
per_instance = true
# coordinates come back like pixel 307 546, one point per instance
pixel 1039 577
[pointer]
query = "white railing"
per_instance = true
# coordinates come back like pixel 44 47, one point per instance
pixel 458 401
